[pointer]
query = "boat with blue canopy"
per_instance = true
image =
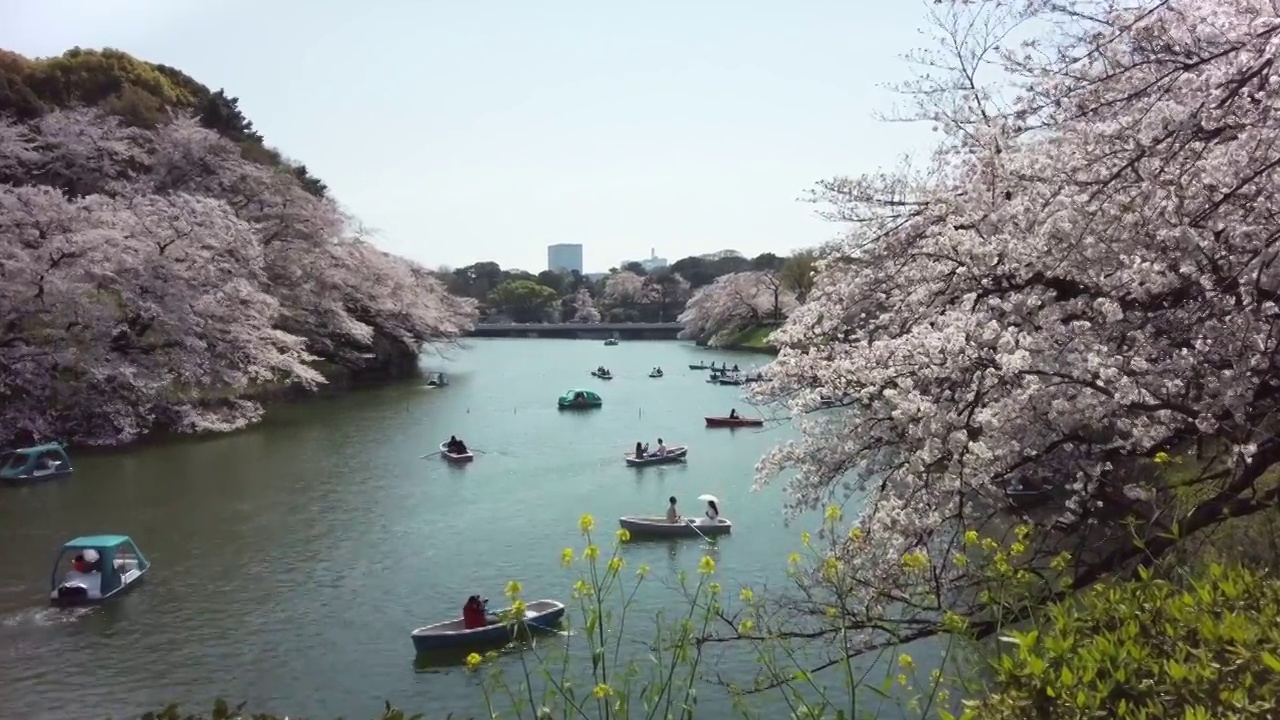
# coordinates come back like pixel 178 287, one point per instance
pixel 93 568
pixel 35 464
pixel 579 400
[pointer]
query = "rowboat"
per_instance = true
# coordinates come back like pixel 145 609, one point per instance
pixel 611 342
pixel 35 464
pixel 699 366
pixel 655 374
pixel 103 566
pixel 674 455
pixel 602 376
pixel 538 615
pixel 660 527
pixel 465 457
pixel 731 422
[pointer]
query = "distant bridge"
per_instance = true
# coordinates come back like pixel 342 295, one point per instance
pixel 599 331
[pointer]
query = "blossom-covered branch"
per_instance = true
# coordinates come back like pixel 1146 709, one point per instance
pixel 1081 282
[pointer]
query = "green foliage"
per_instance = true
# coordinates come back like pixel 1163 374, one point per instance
pixel 523 300
pixel 143 94
pixel 1205 647
pixel 753 338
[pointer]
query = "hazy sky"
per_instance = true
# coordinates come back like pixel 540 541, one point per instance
pixel 488 129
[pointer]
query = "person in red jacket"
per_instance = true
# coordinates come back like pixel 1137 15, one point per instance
pixel 473 613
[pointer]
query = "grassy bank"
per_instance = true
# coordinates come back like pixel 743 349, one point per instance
pixel 752 339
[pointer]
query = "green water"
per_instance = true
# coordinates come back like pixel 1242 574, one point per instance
pixel 291 561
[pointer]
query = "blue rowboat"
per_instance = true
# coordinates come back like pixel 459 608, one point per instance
pixel 538 615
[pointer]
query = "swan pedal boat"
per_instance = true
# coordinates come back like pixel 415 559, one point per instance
pixel 455 457
pixel 734 422
pixel 538 614
pixel 674 455
pixel 660 527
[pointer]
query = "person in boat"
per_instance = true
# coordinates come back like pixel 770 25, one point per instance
pixel 639 451
pixel 735 367
pixel 79 564
pixel 662 449
pixel 645 451
pixel 673 515
pixel 713 512
pixel 733 414
pixel 474 613
pixel 455 445
pixel 92 561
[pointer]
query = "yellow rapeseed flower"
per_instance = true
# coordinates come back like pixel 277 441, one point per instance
pixel 615 564
pixel 707 565
pixel 586 523
pixel 517 609
pixel 832 515
pixel 805 538
pixel 902 680
pixel 793 559
pixel 513 589
pixel 624 535
pixel 971 537
pixel 714 588
pixel 1059 563
pixel 855 533
pixel 746 626
pixel 602 691
pixel 960 560
pixel 1017 548
pixel 473 661
pixel 1161 457
pixel 566 557
pixel 591 553
pixel 905 661
pixel 746 595
pixel 1022 531
pixel 915 560
pixel 642 571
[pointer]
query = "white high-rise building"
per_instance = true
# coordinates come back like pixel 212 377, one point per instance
pixel 651 263
pixel 564 258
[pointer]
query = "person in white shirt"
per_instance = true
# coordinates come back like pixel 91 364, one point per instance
pixel 713 512
pixel 673 515
pixel 662 449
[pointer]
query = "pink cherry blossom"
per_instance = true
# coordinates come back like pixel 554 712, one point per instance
pixel 157 278
pixel 1082 276
pixel 735 302
pixel 584 308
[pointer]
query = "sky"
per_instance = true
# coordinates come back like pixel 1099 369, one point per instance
pixel 489 129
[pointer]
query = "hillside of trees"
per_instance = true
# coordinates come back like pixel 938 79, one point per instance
pixel 161 266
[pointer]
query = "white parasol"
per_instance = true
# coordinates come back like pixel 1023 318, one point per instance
pixel 709 498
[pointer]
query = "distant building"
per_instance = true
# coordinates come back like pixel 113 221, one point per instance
pixel 651 263
pixel 564 258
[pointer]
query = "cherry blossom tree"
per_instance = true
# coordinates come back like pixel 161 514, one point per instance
pixel 584 307
pixel 1076 290
pixel 156 278
pixel 735 302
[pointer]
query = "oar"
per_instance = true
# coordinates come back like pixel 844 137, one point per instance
pixel 693 524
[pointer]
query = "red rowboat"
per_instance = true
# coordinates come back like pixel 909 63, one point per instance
pixel 734 422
